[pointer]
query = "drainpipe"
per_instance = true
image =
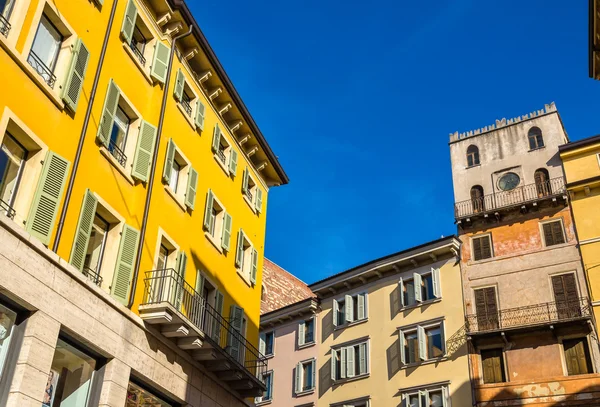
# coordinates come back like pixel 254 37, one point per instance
pixel 150 184
pixel 86 122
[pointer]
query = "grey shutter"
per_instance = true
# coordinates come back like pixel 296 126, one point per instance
pixel 334 357
pixel 418 287
pixel 437 284
pixel 401 289
pixel 362 358
pixel 245 181
pixel 129 22
pixel 169 158
pixel 160 62
pixel 200 114
pixel 350 361
pixel 301 333
pixel 125 264
pixel 208 210
pixel 215 330
pixel 262 343
pixel 192 185
pixel 239 254
pixel 226 237
pixel 236 315
pixel 233 157
pixel 443 337
pixel 314 374
pixel 361 306
pixel 200 280
pixel 298 378
pixel 349 311
pixel 46 200
pixel 402 347
pixel 335 313
pixel 216 141
pixel 422 343
pixel 179 277
pixel 144 152
pixel 444 396
pixel 254 266
pixel 108 113
pixel 179 85
pixel 258 203
pixel 84 228
pixel 72 88
pixel 343 365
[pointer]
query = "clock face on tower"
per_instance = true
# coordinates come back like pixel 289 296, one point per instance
pixel 509 181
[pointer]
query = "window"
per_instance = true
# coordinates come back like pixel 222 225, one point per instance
pixel 139 397
pixel 536 140
pixel 95 250
pixel 486 308
pixel 180 178
pixel 350 361
pixel 246 258
pixel 553 232
pixel 305 376
pixel 577 356
pixel 351 308
pixel 426 397
pixel 45 49
pixel 7 323
pixel 217 223
pixel 6 7
pixel 268 393
pixel 70 378
pixel 422 342
pixel 163 254
pixel 12 161
pixel 509 181
pixel 224 153
pixel 266 344
pixel 482 247
pixel 566 296
pixel 477 199
pixel 174 178
pixel 472 156
pixel 420 288
pixel 118 136
pixel 252 193
pixel 362 402
pixel 542 182
pixel 306 332
pixel 188 102
pixel 492 364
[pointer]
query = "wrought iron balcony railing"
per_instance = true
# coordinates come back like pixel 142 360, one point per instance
pixel 4 26
pixel 7 209
pixel 41 68
pixel 117 153
pixel 221 155
pixel 167 286
pixel 506 199
pixel 186 106
pixel 93 276
pixel 136 51
pixel 529 316
pixel 249 194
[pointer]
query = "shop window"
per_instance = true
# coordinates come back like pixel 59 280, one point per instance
pixel 7 322
pixel 140 397
pixel 422 342
pixel 420 288
pixel 492 364
pixel 352 308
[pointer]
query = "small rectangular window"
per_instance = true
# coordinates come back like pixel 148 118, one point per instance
pixel 427 397
pixel 268 393
pixel 553 233
pixel 118 136
pixel 351 308
pixel 309 331
pixel 305 376
pixel 12 161
pixel 269 343
pixel 45 49
pixel 482 247
pixel 492 363
pixel 350 361
pixel 422 343
pixel 577 356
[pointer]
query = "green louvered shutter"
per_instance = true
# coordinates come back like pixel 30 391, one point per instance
pixel 84 228
pixel 254 266
pixel 99 2
pixel 144 151
pixel 72 88
pixel 180 267
pixel 129 22
pixel 169 161
pixel 239 254
pixel 190 194
pixel 108 113
pixel 216 141
pixel 233 158
pixel 226 238
pixel 215 329
pixel 258 203
pixel 179 85
pixel 200 114
pixel 208 210
pixel 46 200
pixel 236 317
pixel 245 181
pixel 130 238
pixel 160 62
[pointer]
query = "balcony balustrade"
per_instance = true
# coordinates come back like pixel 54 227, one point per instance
pixel 117 153
pixel 41 68
pixel 93 276
pixel 4 26
pixel 185 103
pixel 221 155
pixel 249 194
pixel 7 209
pixel 136 51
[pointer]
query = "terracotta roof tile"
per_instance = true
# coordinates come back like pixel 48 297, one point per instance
pixel 281 288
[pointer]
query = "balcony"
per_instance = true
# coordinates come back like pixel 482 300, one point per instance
pixel 185 103
pixel 221 155
pixel 134 45
pixel 4 26
pixel 249 194
pixel 182 314
pixel 529 317
pixel 93 276
pixel 117 153
pixel 526 194
pixel 42 70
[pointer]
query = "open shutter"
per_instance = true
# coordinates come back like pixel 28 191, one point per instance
pixel 258 203
pixel 200 280
pixel 245 181
pixel 200 114
pixel 179 85
pixel 180 267
pixel 313 365
pixel 336 311
pixel 422 343
pixel 108 113
pixel 169 158
pixel 418 287
pixel 445 392
pixel 84 228
pixel 216 141
pixel 160 62
pixel 343 365
pixel 72 88
pixel 401 292
pixel 443 337
pixel 215 330
pixel 298 380
pixel 129 22
pixel 144 151
pixel 334 357
pixel 226 238
pixel 236 315
pixel 301 333
pixel 350 361
pixel 239 254
pixel 233 157
pixel 437 286
pixel 402 347
pixel 190 195
pixel 46 200
pixel 349 311
pixel 125 264
pixel 361 306
pixel 362 358
pixel 262 343
pixel 254 266
pixel 208 210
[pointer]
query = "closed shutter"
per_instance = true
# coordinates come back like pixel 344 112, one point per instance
pixel 336 311
pixel 565 288
pixel 144 152
pixel 486 307
pixel 208 210
pixel 72 88
pixel 239 254
pixel 361 306
pixel 403 347
pixel 129 22
pixel 258 203
pixel 160 62
pixel 169 158
pixel 298 378
pixel 226 238
pixel 350 369
pixel 254 266
pixel 482 248
pixel 192 185
pixel 349 311
pixel 362 358
pixel 84 228
pixel 108 113
pixel 301 333
pixel 216 141
pixel 422 343
pixel 179 85
pixel 233 158
pixel 553 233
pixel 125 264
pixel 236 315
pixel 200 114
pixel 44 207
pixel 437 286
pixel 215 330
pixel 493 366
pixel 577 356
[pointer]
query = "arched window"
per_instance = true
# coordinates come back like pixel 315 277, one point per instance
pixel 536 140
pixel 477 199
pixel 472 156
pixel 542 182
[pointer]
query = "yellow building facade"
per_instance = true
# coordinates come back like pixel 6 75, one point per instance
pixel 128 152
pixel 581 163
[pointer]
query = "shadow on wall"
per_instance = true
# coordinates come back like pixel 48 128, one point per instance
pixel 395 302
pixel 325 382
pixel 326 326
pixel 589 397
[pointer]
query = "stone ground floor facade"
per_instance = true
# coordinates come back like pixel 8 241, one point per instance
pixel 61 337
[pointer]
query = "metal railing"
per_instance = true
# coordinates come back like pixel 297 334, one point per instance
pixel 136 51
pixel 167 286
pixel 531 315
pixel 221 155
pixel 505 199
pixel 41 68
pixel 7 209
pixel 4 26
pixel 117 153
pixel 186 106
pixel 93 276
pixel 249 194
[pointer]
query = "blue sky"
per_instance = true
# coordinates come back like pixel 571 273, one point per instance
pixel 358 98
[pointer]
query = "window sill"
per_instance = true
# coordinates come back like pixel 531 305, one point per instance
pixel 307 345
pixel 419 304
pixel 353 323
pixel 351 379
pixel 113 161
pixel 221 164
pixel 250 204
pixel 264 403
pixel 243 276
pixel 137 62
pixel 177 200
pixel 187 117
pixel 214 242
pixel 271 356
pixel 425 362
pixel 536 149
pixel 472 166
pixel 305 392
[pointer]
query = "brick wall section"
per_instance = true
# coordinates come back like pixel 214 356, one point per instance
pixel 281 288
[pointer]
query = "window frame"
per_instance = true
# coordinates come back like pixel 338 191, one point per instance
pixel 217 224
pixel 18 178
pixel 358 402
pixel 303 390
pixel 436 280
pixel 423 391
pixel 251 190
pixel 272 335
pixel 185 165
pixel 474 155
pixel 480 361
pixel 226 152
pixel 588 348
pixel 533 135
pixel 336 354
pixel 562 229
pixel 418 328
pixel 246 258
pixel 305 344
pixel 259 401
pixel 472 244
pixel 342 299
pixel 151 36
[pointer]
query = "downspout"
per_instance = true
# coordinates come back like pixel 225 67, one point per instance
pixel 86 122
pixel 150 184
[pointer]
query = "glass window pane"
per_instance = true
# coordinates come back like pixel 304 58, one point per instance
pixel 413 400
pixel 427 290
pixel 47 43
pixel 138 397
pixel 434 342
pixel 12 158
pixel 436 398
pixel 309 331
pixel 411 348
pixel 341 309
pixel 93 257
pixel 7 322
pixel 118 137
pixel 409 292
pixel 6 7
pixel 174 180
pixel 162 258
pixel 307 380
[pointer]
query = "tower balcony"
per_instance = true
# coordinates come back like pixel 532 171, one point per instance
pixel 181 313
pixel 524 197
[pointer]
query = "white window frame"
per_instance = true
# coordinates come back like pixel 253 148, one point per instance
pixel 263 338
pixel 481 235
pixel 300 391
pixel 245 270
pixel 16 19
pixel 182 180
pixel 562 228
pixel 143 20
pixel 360 402
pixel 302 331
pixel 338 352
pixel 421 329
pixel 436 280
pixel 165 240
pixel 424 391
pixel 219 225
pixel 252 190
pixel 226 152
pixel 347 322
pixel 259 400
